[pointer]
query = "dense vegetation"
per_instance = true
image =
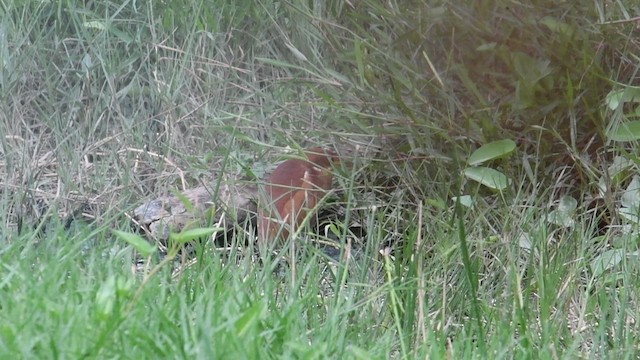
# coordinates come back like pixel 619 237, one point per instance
pixel 104 105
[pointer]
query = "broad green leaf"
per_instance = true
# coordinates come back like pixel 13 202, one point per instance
pixel 465 200
pixel 557 26
pixel 492 150
pixel 626 132
pixel 615 98
pixel 192 234
pixel 561 219
pixel 630 214
pixel 530 70
pixel 567 204
pixel 525 241
pixel 138 242
pixel 631 195
pixel 630 201
pixel 121 35
pixel 487 177
pixel 436 203
pixel 619 169
pixel 606 261
pixel 563 215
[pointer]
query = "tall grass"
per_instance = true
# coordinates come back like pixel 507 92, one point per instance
pixel 104 105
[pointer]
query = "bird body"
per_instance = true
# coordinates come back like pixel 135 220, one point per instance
pixel 292 191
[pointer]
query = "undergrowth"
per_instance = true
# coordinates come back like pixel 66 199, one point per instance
pixel 106 105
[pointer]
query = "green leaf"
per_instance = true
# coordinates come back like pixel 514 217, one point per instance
pixel 99 25
pixel 626 132
pixel 487 177
pixel 437 203
pixel 631 195
pixel 106 298
pixel 492 150
pixel 606 261
pixel 138 242
pixel 615 98
pixel 192 234
pixel 249 319
pixel 563 215
pixel 630 214
pixel 465 200
pixel 124 286
pixel 557 26
pixel 567 204
pixel 487 46
pixel 619 170
pixel 524 241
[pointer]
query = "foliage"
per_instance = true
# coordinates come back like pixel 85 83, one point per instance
pixel 105 104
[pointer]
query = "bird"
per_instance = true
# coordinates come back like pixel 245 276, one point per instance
pixel 292 192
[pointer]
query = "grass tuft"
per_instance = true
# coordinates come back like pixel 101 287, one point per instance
pixel 105 105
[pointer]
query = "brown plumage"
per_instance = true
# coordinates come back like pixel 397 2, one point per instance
pixel 293 189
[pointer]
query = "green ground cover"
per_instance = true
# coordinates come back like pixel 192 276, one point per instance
pixel 104 105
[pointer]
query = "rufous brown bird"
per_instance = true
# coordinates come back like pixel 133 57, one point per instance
pixel 292 191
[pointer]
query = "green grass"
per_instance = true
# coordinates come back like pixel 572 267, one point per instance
pixel 105 105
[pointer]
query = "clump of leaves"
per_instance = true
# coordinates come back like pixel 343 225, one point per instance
pixel 488 176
